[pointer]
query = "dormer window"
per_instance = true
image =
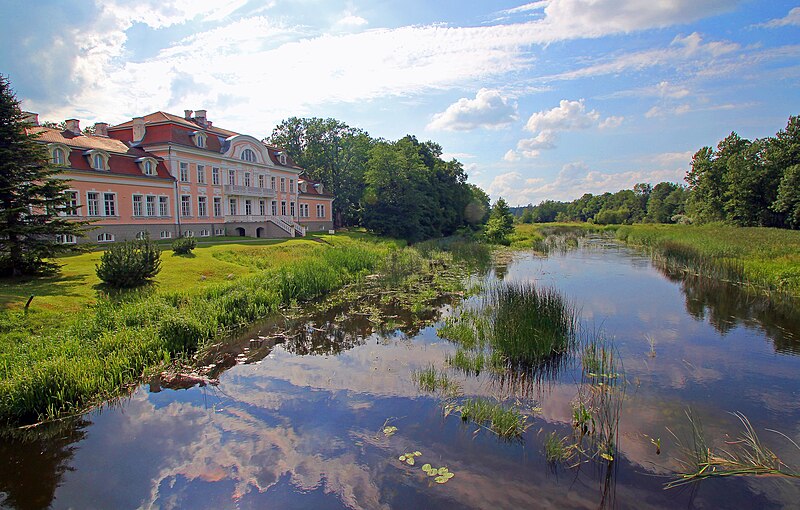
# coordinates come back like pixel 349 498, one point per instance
pixel 147 165
pixel 98 159
pixel 249 156
pixel 199 139
pixel 59 154
pixel 282 158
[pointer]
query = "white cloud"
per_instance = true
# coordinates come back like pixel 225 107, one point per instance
pixel 531 147
pixel 511 156
pixel 690 48
pixel 577 178
pixel 351 20
pixel 447 156
pixel 489 109
pixel 791 19
pixel 254 57
pixel 567 116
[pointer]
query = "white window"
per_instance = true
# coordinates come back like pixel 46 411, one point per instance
pixel 283 208
pixel 71 203
pixel 320 210
pixel 219 232
pixel 165 234
pixel 283 183
pixel 66 239
pixel 137 205
pixel 248 207
pixel 149 168
pixel 282 158
pixel 248 155
pixel 217 206
pixel 272 182
pixel 150 202
pixel 247 179
pixel 200 140
pixel 202 206
pixel 186 205
pixel 110 204
pixel 291 208
pixel 201 174
pixel 262 207
pixel 59 158
pixel 260 181
pixel 274 208
pixel 105 237
pixel 204 233
pixel 184 172
pixel 232 207
pixel 232 177
pixel 98 163
pixel 188 233
pixel 304 210
pixel 163 206
pixel 215 176
pixel 141 235
pixel 291 185
pixel 93 203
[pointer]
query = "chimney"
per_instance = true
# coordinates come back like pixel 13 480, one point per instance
pixel 73 125
pixel 187 114
pixel 101 128
pixel 200 117
pixel 31 118
pixel 208 124
pixel 138 129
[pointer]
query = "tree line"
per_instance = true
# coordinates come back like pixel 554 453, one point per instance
pixel 397 188
pixel 741 182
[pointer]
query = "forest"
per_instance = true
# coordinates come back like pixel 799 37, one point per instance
pixel 741 182
pixel 400 188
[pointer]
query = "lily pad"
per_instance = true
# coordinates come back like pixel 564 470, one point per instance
pixel 426 467
pixel 607 457
pixel 444 478
pixel 443 470
pixel 389 431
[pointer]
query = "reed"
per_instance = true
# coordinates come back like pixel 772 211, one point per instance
pixel 432 380
pixel 747 455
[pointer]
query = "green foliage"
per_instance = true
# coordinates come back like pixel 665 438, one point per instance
pixel 32 198
pixel 788 200
pixel 505 422
pixel 500 224
pixel 129 264
pixel 747 183
pixel 184 245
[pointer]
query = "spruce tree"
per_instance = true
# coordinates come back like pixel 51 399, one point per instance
pixel 32 200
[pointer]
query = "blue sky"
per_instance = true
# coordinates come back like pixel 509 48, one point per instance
pixel 542 100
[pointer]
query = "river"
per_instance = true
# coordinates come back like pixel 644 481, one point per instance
pixel 299 423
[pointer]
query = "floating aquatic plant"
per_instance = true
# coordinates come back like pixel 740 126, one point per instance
pixel 408 458
pixel 440 475
pixel 389 431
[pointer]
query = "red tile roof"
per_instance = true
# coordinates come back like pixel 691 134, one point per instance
pixel 121 161
pixel 311 189
pixel 164 117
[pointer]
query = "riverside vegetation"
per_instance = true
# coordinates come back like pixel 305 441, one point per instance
pixel 54 363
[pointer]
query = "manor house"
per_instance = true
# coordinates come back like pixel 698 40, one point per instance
pixel 168 176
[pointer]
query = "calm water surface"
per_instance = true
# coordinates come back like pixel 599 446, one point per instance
pixel 298 425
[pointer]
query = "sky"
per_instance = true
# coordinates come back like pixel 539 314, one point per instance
pixel 543 100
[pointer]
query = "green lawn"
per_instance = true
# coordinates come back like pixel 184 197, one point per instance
pixel 80 343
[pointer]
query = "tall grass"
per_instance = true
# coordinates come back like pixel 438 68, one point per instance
pixel 506 422
pixel 763 258
pixel 516 327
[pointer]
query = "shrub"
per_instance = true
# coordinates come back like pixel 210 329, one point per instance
pixel 184 245
pixel 129 264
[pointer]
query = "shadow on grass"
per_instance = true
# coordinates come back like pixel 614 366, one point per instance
pixel 18 290
pixel 119 295
pixel 185 255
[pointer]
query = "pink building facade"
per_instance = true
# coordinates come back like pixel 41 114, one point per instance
pixel 168 176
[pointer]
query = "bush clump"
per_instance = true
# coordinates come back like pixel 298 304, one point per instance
pixel 184 245
pixel 129 264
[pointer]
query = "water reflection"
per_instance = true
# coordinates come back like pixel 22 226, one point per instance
pixel 35 461
pixel 727 306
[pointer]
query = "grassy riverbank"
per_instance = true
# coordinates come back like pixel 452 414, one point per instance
pixel 764 258
pixel 77 345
